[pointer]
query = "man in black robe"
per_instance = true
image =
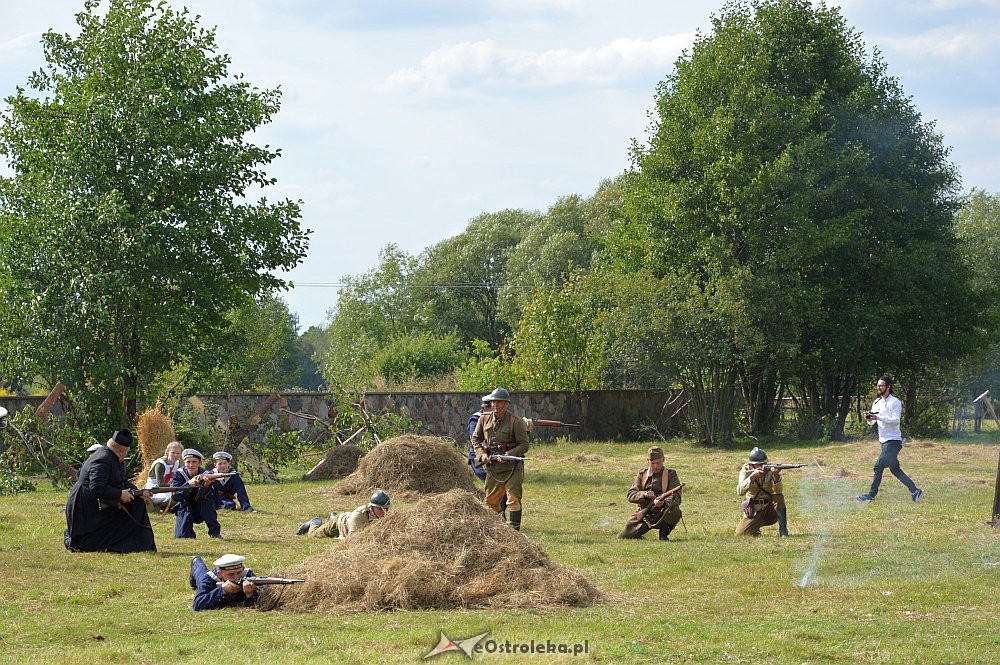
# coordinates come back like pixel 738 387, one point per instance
pixel 101 514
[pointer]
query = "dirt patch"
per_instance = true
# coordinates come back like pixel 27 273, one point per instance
pixel 445 552
pixel 341 461
pixel 410 466
pixel 585 458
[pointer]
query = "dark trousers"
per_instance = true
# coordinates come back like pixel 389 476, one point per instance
pixel 889 459
pixel 189 515
pixel 233 487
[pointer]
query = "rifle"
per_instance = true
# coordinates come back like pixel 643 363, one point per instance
pixel 782 467
pixel 103 504
pixel 538 422
pixel 507 458
pixel 670 492
pixel 263 581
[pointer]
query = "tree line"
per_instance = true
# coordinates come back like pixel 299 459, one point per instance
pixel 791 227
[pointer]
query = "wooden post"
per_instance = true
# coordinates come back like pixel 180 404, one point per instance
pixel 43 410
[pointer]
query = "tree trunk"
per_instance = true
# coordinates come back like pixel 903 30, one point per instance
pixel 762 393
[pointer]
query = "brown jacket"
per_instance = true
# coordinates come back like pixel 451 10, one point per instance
pixel 645 481
pixel 508 436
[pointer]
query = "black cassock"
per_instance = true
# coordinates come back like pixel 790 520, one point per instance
pixel 122 528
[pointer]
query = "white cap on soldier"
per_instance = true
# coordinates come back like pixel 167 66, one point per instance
pixel 191 452
pixel 222 454
pixel 230 562
pixel 94 448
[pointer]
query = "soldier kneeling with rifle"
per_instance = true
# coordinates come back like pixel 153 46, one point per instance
pixel 229 584
pixel 657 491
pixel 764 503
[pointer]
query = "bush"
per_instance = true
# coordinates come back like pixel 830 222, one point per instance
pixel 931 420
pixel 486 370
pixel 418 356
pixel 11 483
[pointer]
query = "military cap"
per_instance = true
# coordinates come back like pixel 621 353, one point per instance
pixel 122 437
pixel 758 456
pixel 191 452
pixel 499 395
pixel 222 454
pixel 230 562
pixel 654 452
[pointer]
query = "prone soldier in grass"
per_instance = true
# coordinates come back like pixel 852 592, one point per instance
pixel 655 511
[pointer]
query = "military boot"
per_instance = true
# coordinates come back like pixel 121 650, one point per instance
pixel 515 519
pixel 665 533
pixel 196 565
pixel 783 522
pixel 304 527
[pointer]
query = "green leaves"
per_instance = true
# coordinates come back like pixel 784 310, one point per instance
pixel 134 219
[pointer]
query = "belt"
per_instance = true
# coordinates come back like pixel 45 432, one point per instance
pixel 762 501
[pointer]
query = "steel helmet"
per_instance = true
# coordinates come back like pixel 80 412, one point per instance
pixel 758 456
pixel 379 499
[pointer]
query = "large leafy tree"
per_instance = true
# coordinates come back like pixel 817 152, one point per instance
pixel 787 166
pixel 134 220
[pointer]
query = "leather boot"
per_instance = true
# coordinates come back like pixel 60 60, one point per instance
pixel 783 522
pixel 515 519
pixel 304 527
pixel 195 561
pixel 665 532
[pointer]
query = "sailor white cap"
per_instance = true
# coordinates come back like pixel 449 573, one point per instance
pixel 230 562
pixel 191 452
pixel 96 446
pixel 222 454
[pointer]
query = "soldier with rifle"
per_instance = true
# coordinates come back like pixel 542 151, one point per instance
pixel 500 434
pixel 657 491
pixel 763 503
pixel 229 584
pixel 197 503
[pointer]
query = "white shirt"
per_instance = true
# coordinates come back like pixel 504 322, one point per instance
pixel 890 410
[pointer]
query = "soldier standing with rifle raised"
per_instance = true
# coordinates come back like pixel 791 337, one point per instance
pixel 500 435
pixel 657 492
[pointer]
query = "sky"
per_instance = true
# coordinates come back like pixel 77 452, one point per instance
pixel 402 120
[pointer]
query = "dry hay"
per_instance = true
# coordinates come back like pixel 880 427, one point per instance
pixel 154 431
pixel 410 466
pixel 339 462
pixel 445 552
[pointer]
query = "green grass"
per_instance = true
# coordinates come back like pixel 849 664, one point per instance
pixel 892 582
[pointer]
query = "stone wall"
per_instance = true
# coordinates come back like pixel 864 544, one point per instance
pixel 602 414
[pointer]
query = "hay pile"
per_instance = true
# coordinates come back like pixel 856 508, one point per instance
pixel 339 462
pixel 445 552
pixel 410 466
pixel 154 431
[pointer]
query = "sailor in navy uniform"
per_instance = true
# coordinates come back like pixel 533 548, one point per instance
pixel 230 489
pixel 223 586
pixel 196 505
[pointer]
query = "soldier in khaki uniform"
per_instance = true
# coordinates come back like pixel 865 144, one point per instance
pixel 500 433
pixel 650 483
pixel 343 525
pixel 763 490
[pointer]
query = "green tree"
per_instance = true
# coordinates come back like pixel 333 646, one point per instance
pixel 372 309
pixel 260 350
pixel 135 218
pixel 557 345
pixel 312 344
pixel 784 154
pixel 465 274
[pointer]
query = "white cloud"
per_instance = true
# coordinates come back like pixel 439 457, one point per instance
pixel 21 42
pixel 950 42
pixel 485 64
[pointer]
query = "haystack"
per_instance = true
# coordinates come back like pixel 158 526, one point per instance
pixel 410 466
pixel 339 462
pixel 154 431
pixel 445 552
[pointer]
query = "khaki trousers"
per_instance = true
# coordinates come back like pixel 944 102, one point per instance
pixel 509 483
pixel 766 514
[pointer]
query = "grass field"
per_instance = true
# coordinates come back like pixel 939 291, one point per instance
pixel 890 582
